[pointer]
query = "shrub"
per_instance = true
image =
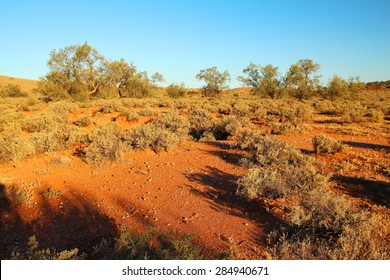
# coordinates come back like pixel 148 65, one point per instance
pixel 148 245
pixel 33 253
pixel 353 112
pixel 14 147
pixel 19 196
pixel 176 90
pixel 83 121
pixel 131 115
pixel 231 126
pixel 161 134
pixel 200 122
pixel 375 115
pixel 290 117
pixel 11 90
pixel 325 144
pixel 318 223
pixel 105 144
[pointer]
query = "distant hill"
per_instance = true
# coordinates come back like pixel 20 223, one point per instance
pixel 25 84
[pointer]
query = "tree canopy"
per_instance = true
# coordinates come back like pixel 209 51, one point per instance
pixel 215 80
pixel 264 80
pixel 76 70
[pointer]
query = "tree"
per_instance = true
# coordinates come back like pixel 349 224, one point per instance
pixel 157 78
pixel 76 69
pixel 301 78
pixel 176 90
pixel 355 84
pixel 215 81
pixel 125 79
pixel 337 87
pixel 264 80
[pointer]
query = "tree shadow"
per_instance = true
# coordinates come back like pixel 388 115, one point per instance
pixel 74 224
pixel 221 195
pixel 366 145
pixel 376 191
pixel 225 153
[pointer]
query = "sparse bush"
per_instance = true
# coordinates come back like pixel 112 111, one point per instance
pixel 18 196
pixel 148 245
pixel 105 144
pixel 83 121
pixel 131 115
pixel 34 253
pixel 162 134
pixel 175 90
pixel 325 144
pixel 50 193
pixel 201 121
pixel 14 147
pixel 231 126
pixel 290 117
pixel 319 224
pixel 353 112
pixel 375 115
pixel 11 90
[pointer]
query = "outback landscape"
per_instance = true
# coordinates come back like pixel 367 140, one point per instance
pixel 99 161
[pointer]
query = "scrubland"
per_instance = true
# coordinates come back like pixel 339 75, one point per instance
pixel 179 175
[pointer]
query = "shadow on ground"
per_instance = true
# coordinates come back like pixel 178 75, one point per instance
pixel 377 192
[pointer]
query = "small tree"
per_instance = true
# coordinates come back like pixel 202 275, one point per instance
pixel 337 87
pixel 301 78
pixel 215 81
pixel 355 85
pixel 125 79
pixel 76 69
pixel 176 90
pixel 157 78
pixel 264 80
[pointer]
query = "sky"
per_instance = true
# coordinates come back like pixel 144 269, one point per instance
pixel 179 38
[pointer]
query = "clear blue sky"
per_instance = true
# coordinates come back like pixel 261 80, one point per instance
pixel 178 38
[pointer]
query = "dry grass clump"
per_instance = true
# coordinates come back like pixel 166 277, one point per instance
pixel 50 193
pixel 105 145
pixel 318 223
pixel 148 245
pixel 326 144
pixel 33 252
pixel 19 196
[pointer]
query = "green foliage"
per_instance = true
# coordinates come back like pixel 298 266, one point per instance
pixel 301 78
pixel 264 80
pixel 80 71
pixel 176 90
pixel 157 78
pixel 325 144
pixel 215 81
pixel 337 87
